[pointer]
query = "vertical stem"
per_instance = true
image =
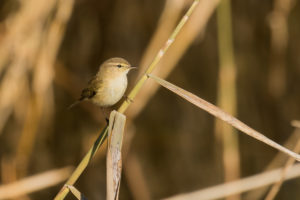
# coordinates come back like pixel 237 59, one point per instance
pixel 225 133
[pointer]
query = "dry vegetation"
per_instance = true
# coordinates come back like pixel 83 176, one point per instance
pixel 241 56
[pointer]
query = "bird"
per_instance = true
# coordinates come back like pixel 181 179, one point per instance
pixel 108 86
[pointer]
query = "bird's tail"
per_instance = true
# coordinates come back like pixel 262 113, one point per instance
pixel 74 104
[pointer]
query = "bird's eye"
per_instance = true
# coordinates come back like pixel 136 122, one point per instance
pixel 119 66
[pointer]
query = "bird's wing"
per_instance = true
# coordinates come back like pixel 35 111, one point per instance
pixel 93 85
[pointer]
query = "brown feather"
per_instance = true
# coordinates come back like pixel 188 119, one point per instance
pixel 89 91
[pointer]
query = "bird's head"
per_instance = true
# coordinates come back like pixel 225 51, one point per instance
pixel 115 67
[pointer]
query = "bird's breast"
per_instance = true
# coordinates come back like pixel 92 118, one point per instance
pixel 111 91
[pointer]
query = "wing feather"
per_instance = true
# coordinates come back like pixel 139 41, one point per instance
pixel 91 90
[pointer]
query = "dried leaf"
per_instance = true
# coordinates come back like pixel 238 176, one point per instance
pixel 76 192
pixel 219 113
pixel 114 155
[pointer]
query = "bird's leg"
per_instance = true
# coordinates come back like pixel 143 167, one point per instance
pixel 105 115
pixel 74 104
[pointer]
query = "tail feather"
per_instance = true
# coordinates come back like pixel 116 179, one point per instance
pixel 78 101
pixel 74 104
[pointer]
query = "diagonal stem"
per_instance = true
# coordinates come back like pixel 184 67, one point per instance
pixel 219 113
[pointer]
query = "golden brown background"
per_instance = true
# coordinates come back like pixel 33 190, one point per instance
pixel 50 49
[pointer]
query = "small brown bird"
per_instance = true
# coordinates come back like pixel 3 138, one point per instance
pixel 108 86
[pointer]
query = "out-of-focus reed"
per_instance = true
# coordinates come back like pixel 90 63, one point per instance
pixel 28 48
pixel 226 135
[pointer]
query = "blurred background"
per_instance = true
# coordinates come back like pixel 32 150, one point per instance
pixel 240 55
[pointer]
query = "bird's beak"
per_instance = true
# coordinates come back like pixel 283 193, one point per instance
pixel 132 68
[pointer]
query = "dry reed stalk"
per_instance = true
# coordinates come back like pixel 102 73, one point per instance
pixel 236 187
pixel 226 134
pixel 34 183
pixel 83 164
pixel 114 154
pixel 219 113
